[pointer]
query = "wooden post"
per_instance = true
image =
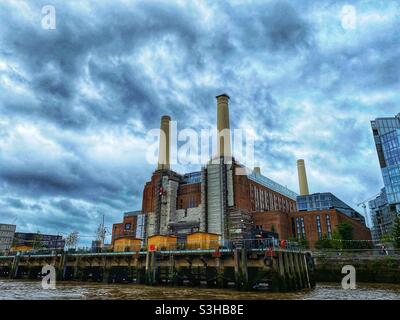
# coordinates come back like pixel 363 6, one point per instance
pixel 282 272
pixel 298 272
pixel 236 264
pixel 306 270
pixel 61 269
pixel 220 273
pixel 243 269
pixel 150 268
pixel 288 271
pixel 171 269
pixel 106 271
pixel 294 271
pixel 14 266
pixel 75 274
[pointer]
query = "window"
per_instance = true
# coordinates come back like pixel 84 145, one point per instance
pixel 303 230
pixel 298 228
pixel 319 227
pixel 328 226
pixel 128 226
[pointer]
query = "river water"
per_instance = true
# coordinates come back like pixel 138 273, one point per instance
pixel 11 290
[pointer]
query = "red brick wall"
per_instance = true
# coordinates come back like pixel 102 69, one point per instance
pixel 121 229
pixel 278 219
pixel 254 197
pixel 189 196
pixel 360 232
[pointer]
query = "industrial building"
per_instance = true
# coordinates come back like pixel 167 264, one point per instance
pixel 219 205
pixel 386 205
pixel 214 200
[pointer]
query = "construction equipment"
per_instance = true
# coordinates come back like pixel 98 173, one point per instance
pixel 364 206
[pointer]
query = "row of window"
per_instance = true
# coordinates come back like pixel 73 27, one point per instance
pixel 262 200
pixel 328 227
pixel 301 232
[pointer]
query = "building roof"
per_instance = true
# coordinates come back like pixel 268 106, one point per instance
pixel 132 213
pixel 274 186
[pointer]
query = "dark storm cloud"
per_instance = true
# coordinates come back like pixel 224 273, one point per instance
pixel 76 102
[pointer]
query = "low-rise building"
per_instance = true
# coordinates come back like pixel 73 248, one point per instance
pixel 7 232
pixel 37 241
pixel 132 225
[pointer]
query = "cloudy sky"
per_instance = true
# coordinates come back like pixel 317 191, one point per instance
pixel 76 102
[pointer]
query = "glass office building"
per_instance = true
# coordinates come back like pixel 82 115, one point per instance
pixel 325 201
pixel 386 133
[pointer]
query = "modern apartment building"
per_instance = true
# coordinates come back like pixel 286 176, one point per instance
pixel 7 232
pixel 386 132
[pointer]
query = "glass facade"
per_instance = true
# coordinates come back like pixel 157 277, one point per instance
pixel 192 177
pixel 324 201
pixel 391 173
pixel 386 132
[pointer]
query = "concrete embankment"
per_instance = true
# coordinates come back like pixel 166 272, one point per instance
pixel 372 269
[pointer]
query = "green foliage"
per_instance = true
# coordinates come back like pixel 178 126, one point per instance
pixel 387 238
pixel 337 240
pixel 324 243
pixel 345 230
pixel 303 243
pixel 396 232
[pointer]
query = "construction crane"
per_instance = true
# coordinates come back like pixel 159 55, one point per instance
pixel 364 206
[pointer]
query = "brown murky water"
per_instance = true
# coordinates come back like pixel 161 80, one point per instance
pixel 73 290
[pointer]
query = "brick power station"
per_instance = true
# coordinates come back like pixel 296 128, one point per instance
pixel 220 204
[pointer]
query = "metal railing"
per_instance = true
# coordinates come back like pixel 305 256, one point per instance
pixel 256 244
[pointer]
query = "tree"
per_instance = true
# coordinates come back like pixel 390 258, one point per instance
pixel 396 232
pixel 72 239
pixel 324 243
pixel 336 241
pixel 345 230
